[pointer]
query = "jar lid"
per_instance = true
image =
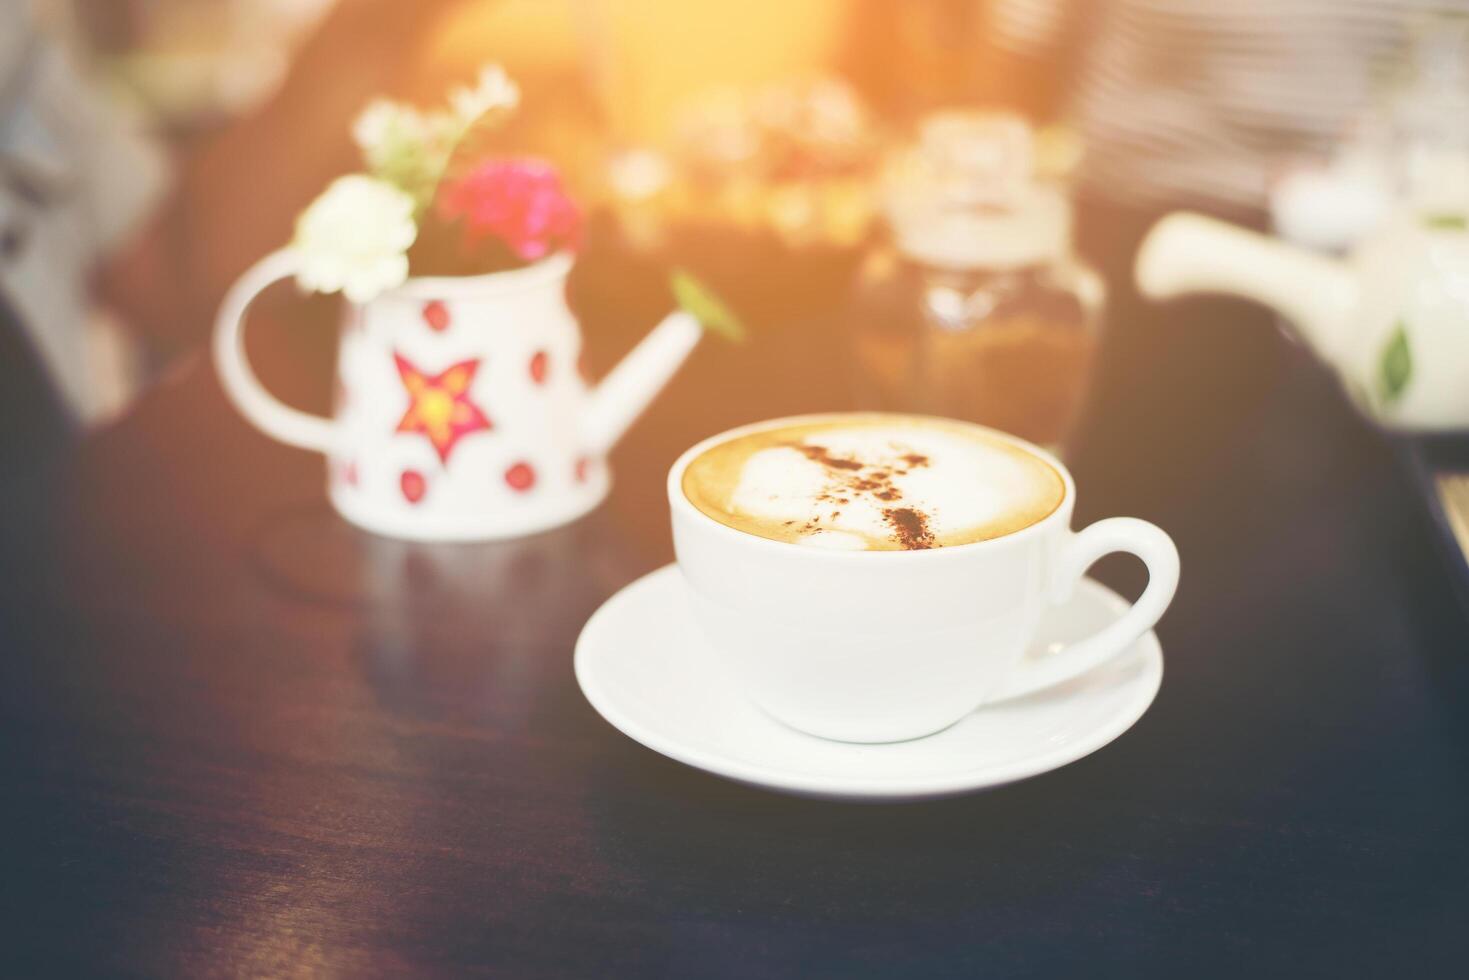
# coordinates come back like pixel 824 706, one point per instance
pixel 1033 229
pixel 966 196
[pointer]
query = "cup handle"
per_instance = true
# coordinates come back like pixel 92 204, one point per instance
pixel 1115 534
pixel 263 410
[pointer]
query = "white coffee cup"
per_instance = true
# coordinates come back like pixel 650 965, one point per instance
pixel 883 646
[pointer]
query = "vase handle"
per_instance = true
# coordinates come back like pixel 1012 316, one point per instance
pixel 262 409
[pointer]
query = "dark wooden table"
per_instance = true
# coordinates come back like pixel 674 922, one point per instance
pixel 241 738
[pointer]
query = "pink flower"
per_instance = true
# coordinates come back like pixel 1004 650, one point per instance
pixel 520 202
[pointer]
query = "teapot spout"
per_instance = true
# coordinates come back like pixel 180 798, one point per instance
pixel 1189 253
pixel 638 378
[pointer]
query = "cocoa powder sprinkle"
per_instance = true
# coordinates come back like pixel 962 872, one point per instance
pixel 822 455
pixel 910 527
pixel 851 477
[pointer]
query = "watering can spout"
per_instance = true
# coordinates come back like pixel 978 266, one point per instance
pixel 633 384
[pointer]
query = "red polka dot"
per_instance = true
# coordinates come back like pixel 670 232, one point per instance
pixel 583 469
pixel 436 315
pixel 349 473
pixel 520 477
pixel 414 485
pixel 538 367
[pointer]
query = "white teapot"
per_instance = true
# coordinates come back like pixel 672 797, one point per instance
pixel 1393 319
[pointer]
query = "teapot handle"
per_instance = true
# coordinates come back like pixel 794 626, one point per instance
pixel 262 409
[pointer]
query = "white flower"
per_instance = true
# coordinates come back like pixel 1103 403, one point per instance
pixel 492 90
pixel 383 123
pixel 354 238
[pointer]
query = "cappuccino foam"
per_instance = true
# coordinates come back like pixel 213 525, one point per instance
pixel 874 483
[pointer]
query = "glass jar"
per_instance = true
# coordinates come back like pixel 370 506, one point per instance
pixel 976 309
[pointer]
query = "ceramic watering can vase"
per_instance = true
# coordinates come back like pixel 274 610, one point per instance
pixel 460 409
pixel 1393 320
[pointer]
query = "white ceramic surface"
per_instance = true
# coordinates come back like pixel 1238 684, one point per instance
pixel 644 665
pixel 885 646
pixel 461 410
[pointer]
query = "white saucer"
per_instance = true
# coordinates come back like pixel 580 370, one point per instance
pixel 641 663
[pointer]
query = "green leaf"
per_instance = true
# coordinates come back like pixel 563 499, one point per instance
pixel 1395 369
pixel 1446 222
pixel 698 299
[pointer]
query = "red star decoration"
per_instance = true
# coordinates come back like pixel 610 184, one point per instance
pixel 439 406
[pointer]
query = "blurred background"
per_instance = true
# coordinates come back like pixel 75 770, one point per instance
pixel 240 730
pixel 914 168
